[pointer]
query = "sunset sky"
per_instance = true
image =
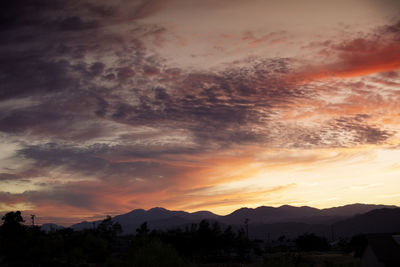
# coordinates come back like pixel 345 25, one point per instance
pixel 109 106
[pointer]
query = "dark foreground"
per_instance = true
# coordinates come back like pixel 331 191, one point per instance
pixel 203 244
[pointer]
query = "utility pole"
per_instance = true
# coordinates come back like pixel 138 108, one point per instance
pixel 33 219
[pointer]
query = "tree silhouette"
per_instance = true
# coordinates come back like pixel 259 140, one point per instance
pixel 312 242
pixel 143 230
pixel 12 218
pixel 12 224
pixel 12 236
pixel 246 223
pixel 109 229
pixel 228 240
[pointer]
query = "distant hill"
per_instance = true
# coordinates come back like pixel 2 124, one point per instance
pixel 385 220
pixel 303 214
pixel 50 227
pixel 264 221
pixel 289 230
pixel 156 218
pixel 270 214
pixel 353 209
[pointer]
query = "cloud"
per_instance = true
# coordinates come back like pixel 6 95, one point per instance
pixel 361 133
pixel 9 176
pixel 25 75
pixel 222 107
pixel 368 54
pixel 75 23
pixel 146 8
pixel 130 184
pixel 231 198
pixel 272 38
pixel 104 121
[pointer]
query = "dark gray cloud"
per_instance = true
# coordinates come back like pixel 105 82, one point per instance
pixel 9 176
pixel 26 74
pixel 26 12
pixel 57 196
pixel 61 196
pixel 102 161
pixel 340 131
pixel 392 29
pixel 135 88
pixel 360 131
pixel 222 108
pixel 6 197
pixel 75 23
pixel 229 107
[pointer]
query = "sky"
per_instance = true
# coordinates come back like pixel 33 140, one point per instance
pixel 110 106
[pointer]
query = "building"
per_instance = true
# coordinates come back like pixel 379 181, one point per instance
pixel 382 250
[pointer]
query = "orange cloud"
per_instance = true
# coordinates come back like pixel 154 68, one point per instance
pixel 356 58
pixel 236 197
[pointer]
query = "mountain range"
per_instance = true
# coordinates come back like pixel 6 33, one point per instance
pixel 270 222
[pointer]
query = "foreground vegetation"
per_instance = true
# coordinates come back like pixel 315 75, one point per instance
pixel 307 259
pixel 203 244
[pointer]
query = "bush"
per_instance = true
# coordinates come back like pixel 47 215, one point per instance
pixel 155 253
pixel 312 242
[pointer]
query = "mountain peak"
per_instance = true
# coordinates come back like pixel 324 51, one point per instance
pixel 136 211
pixel 353 209
pixel 287 206
pixel 157 209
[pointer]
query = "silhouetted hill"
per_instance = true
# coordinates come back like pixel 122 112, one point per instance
pixel 198 215
pixel 303 214
pixel 85 225
pixel 288 230
pixel 157 218
pixel 285 220
pixel 353 209
pixel 270 214
pixel 385 220
pixel 49 227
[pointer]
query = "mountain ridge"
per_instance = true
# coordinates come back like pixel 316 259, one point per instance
pixel 163 219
